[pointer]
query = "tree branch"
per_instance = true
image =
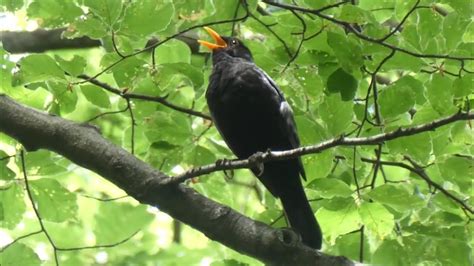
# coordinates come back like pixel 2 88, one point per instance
pixel 42 40
pixel 84 146
pixel 127 96
pixel 418 170
pixel 364 37
pixel 260 158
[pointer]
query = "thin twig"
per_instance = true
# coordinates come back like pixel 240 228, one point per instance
pixel 280 39
pixel 33 205
pixel 106 113
pixel 102 199
pixel 361 245
pixel 397 28
pixel 260 157
pixel 161 100
pixel 350 28
pixel 100 246
pixel 132 118
pixel 418 170
pixel 20 238
pixel 160 43
pixel 114 45
pixel 234 23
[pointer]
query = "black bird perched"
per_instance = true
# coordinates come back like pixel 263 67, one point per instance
pixel 252 115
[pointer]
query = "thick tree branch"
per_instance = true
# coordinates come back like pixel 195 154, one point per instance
pixel 42 40
pixel 260 158
pixel 84 146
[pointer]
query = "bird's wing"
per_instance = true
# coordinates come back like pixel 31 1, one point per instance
pixel 287 121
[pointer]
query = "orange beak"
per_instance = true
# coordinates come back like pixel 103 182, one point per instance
pixel 220 43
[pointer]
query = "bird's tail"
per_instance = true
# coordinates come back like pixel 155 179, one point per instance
pixel 301 217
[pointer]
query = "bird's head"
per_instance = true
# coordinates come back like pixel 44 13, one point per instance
pixel 229 45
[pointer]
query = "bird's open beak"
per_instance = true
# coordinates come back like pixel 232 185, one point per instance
pixel 220 43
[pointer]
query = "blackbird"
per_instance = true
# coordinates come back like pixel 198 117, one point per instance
pixel 252 115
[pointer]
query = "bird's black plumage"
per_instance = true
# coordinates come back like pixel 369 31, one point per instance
pixel 252 115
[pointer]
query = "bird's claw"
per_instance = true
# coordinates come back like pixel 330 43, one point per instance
pixel 256 162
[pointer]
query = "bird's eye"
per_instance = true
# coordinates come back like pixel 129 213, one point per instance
pixel 234 42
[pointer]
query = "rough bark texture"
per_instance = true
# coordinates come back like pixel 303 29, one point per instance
pixel 41 40
pixel 83 145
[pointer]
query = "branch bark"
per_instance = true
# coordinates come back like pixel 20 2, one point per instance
pixel 83 145
pixel 42 40
pixel 260 158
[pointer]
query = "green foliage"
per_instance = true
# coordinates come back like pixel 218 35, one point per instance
pixel 12 206
pixel 405 220
pixel 54 202
pixel 12 256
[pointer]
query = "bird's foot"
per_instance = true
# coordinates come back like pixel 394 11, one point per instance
pixel 229 174
pixel 256 161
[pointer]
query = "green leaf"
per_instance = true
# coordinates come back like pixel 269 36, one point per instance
pixel 117 221
pixel 464 8
pixel 331 187
pixel 396 197
pixel 12 5
pixel 146 17
pixel 88 25
pixel 65 99
pixel 39 67
pixel 396 100
pixel 127 72
pixel 417 146
pixel 173 51
pixel 338 222
pixel 318 165
pixel 199 155
pixel 415 85
pixel 336 114
pixel 312 84
pixel 463 86
pixel 70 233
pixel 96 95
pixel 377 218
pixel 19 254
pixel 107 10
pixel 428 27
pixel 5 172
pixel 391 253
pixel 454 27
pixel 12 205
pixel 42 162
pixel 445 251
pixel 455 168
pixel 170 127
pixel 53 13
pixel 74 67
pixel 354 14
pixel 440 94
pixel 342 82
pixel 347 51
pixel 349 245
pixel 170 71
pixel 217 188
pixel 402 61
pixel 54 202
